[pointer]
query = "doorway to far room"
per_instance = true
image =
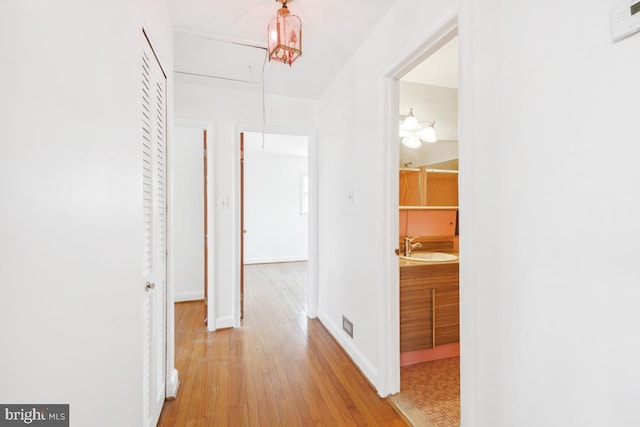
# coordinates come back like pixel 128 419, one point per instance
pixel 275 200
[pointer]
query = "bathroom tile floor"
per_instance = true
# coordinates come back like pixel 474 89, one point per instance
pixel 432 390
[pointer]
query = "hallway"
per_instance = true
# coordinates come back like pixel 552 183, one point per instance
pixel 279 369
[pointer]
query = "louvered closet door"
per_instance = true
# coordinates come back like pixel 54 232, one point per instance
pixel 154 238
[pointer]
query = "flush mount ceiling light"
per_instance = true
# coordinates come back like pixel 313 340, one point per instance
pixel 285 36
pixel 413 132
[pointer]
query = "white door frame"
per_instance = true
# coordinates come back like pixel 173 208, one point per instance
pixel 390 344
pixel 172 374
pixel 311 134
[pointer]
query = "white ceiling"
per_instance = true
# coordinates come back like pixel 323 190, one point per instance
pixel 195 55
pixel 224 42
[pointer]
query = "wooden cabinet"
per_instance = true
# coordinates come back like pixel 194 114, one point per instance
pixel 416 319
pixel 428 187
pixel 429 306
pixel 441 188
pixel 412 187
pixel 446 315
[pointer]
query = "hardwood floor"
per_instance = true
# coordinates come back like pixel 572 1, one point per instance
pixel 279 369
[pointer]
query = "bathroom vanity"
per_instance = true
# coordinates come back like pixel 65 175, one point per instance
pixel 429 304
pixel 429 288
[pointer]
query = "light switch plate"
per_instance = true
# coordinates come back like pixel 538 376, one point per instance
pixel 625 19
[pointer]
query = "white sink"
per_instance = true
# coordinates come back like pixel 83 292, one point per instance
pixel 430 256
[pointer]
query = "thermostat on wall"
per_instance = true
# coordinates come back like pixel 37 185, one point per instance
pixel 625 19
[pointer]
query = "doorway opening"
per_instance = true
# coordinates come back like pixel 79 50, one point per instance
pixel 189 214
pixel 274 201
pixel 427 171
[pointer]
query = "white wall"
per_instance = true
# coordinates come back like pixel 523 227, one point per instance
pixel 187 213
pixel 232 111
pixel 549 216
pixel 70 217
pixel 353 158
pixel 276 230
pixel 549 236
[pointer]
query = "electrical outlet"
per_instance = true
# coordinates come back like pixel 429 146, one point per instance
pixel 347 326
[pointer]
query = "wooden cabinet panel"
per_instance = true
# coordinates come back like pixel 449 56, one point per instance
pixel 429 306
pixel 416 320
pixel 442 189
pixel 447 315
pixel 447 296
pixel 446 307
pixel 447 334
pixel 424 187
pixel 436 276
pixel 412 188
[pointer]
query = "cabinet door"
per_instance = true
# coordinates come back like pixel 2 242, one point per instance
pixel 411 188
pixel 441 189
pixel 446 316
pixel 416 320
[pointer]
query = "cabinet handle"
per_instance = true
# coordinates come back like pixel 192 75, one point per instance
pixel 433 318
pixel 150 286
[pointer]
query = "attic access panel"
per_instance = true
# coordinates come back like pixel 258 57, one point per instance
pixel 207 57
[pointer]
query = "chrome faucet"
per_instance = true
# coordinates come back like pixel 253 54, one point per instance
pixel 409 245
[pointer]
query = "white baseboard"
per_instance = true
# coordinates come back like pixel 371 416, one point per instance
pixel 222 323
pixel 172 384
pixel 312 312
pixel 346 342
pixel 268 260
pixel 188 296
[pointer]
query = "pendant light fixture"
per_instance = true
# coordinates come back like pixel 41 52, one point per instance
pixel 410 123
pixel 413 132
pixel 285 36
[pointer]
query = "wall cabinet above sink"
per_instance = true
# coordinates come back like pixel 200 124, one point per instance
pixel 427 187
